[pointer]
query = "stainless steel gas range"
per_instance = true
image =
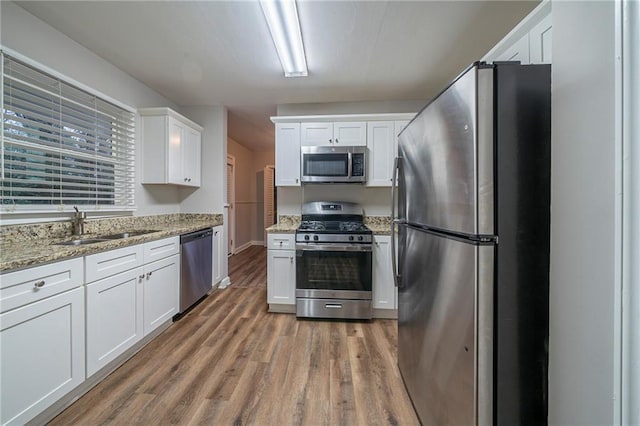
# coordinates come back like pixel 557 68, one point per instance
pixel 333 262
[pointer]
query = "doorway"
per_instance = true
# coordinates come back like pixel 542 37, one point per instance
pixel 269 198
pixel 231 198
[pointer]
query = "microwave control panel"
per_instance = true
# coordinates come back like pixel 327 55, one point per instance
pixel 357 165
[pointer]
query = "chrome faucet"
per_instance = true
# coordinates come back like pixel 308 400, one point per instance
pixel 78 221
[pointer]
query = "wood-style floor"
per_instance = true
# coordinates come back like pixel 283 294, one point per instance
pixel 230 362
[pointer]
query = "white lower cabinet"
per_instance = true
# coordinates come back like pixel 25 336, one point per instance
pixel 114 317
pixel 218 253
pixel 125 307
pixel 281 269
pixel 42 352
pixel 281 277
pixel 161 292
pixel 385 294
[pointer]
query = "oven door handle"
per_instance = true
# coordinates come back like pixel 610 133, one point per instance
pixel 335 247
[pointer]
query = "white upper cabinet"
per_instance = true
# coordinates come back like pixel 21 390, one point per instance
pixel 350 133
pixel 518 51
pixel 343 133
pixel 191 159
pixel 171 146
pixel 287 154
pixel 316 134
pixel 382 142
pixel 529 42
pixel 540 42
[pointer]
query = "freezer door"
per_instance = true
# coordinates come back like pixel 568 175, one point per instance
pixel 444 328
pixel 446 173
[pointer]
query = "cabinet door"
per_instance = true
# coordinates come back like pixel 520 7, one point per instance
pixel 540 42
pixel 316 134
pixel 161 292
pixel 114 317
pixel 192 158
pixel 287 154
pixel 384 290
pixel 281 277
pixel 217 254
pixel 175 148
pixel 519 51
pixel 380 141
pixel 42 354
pixel 350 133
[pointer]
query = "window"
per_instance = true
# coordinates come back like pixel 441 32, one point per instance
pixel 61 145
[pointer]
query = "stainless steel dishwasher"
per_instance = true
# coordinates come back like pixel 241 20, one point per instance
pixel 195 267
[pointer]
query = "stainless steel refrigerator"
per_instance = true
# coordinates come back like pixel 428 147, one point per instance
pixel 472 269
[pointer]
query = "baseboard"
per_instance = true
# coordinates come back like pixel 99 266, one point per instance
pixel 282 309
pixel 385 313
pixel 247 245
pixel 226 282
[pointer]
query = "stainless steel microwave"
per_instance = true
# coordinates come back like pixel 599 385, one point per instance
pixel 331 164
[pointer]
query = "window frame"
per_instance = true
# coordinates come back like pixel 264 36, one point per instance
pixel 16 209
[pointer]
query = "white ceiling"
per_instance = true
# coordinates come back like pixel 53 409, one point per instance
pixel 220 52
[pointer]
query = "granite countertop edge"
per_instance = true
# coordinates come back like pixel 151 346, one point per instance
pixel 15 256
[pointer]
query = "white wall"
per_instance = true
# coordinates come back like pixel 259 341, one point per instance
pixel 31 37
pixel 582 276
pixel 375 201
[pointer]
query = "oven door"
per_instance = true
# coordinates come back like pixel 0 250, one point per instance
pixel 333 271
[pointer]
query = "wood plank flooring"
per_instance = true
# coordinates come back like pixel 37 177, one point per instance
pixel 249 268
pixel 230 362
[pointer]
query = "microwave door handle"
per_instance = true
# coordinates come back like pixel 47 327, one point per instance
pixel 349 164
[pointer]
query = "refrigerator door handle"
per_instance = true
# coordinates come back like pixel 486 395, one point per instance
pixel 394 220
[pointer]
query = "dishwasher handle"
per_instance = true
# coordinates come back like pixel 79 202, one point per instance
pixel 203 233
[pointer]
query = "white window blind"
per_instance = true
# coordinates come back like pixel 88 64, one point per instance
pixel 62 146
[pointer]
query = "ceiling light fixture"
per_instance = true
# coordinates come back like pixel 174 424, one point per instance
pixel 282 18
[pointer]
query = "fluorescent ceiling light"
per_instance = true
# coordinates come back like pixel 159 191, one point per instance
pixel 282 18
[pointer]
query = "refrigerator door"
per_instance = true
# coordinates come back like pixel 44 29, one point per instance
pixel 445 328
pixel 446 159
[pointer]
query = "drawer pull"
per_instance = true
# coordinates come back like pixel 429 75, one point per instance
pixel 148 275
pixel 333 306
pixel 39 284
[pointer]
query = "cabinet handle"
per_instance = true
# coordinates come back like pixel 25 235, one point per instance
pixel 189 179
pixel 330 140
pixel 336 140
pixel 185 179
pixel 296 180
pixel 148 275
pixel 140 278
pixel 280 243
pixel 290 259
pixel 39 284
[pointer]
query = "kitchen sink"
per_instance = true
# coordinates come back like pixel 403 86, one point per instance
pixel 126 234
pixel 81 242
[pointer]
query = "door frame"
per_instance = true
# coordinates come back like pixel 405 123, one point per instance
pixel 231 208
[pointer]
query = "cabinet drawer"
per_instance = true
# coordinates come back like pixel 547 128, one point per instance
pixel 102 265
pixel 29 285
pixel 156 250
pixel 281 241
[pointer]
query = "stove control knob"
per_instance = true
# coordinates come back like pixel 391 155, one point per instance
pixel 360 238
pixel 306 237
pixel 315 238
pixel 350 237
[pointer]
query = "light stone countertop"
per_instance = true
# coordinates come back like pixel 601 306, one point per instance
pixel 379 225
pixel 285 225
pixel 21 253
